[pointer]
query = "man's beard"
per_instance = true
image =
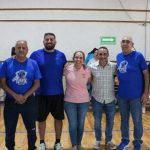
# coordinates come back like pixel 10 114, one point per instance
pixel 49 46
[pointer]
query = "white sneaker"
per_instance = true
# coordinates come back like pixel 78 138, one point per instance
pixel 97 145
pixel 42 146
pixel 74 148
pixel 58 146
pixel 111 145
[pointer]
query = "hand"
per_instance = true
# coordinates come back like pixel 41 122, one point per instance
pixel 144 98
pixel 116 81
pixel 67 64
pixel 19 98
pixel 25 97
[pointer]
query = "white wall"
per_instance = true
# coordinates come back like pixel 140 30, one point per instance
pixel 129 4
pixel 74 29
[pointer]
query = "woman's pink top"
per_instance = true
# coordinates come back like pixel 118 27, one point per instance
pixel 76 84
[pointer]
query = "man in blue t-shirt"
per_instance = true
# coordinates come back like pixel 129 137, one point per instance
pixel 20 77
pixel 132 91
pixel 50 95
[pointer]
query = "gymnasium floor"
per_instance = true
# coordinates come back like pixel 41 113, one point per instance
pixel 88 138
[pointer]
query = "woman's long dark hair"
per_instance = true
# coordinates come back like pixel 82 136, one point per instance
pixel 93 51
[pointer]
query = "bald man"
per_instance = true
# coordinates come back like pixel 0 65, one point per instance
pixel 20 78
pixel 133 90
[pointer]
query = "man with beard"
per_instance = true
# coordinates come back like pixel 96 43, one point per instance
pixel 50 95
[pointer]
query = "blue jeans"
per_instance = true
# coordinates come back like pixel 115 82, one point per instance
pixel 11 114
pixel 76 113
pixel 109 110
pixel 134 107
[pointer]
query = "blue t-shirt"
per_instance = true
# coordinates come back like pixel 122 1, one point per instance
pixel 130 74
pixel 89 57
pixel 51 65
pixel 20 75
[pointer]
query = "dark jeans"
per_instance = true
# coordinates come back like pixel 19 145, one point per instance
pixel 109 110
pixel 133 107
pixel 11 114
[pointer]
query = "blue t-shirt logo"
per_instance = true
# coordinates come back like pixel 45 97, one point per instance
pixel 20 77
pixel 123 66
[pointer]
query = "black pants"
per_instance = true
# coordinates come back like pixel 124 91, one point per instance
pixel 11 114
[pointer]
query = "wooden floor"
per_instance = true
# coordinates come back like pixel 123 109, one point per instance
pixel 88 138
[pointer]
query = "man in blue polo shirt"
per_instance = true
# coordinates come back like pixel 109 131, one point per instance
pixel 132 91
pixel 20 78
pixel 50 95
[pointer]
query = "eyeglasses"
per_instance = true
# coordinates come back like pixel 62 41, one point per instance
pixel 125 41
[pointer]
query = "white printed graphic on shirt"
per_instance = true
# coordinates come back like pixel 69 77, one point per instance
pixel 20 77
pixel 123 66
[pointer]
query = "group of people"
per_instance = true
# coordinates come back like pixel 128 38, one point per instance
pixel 34 89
